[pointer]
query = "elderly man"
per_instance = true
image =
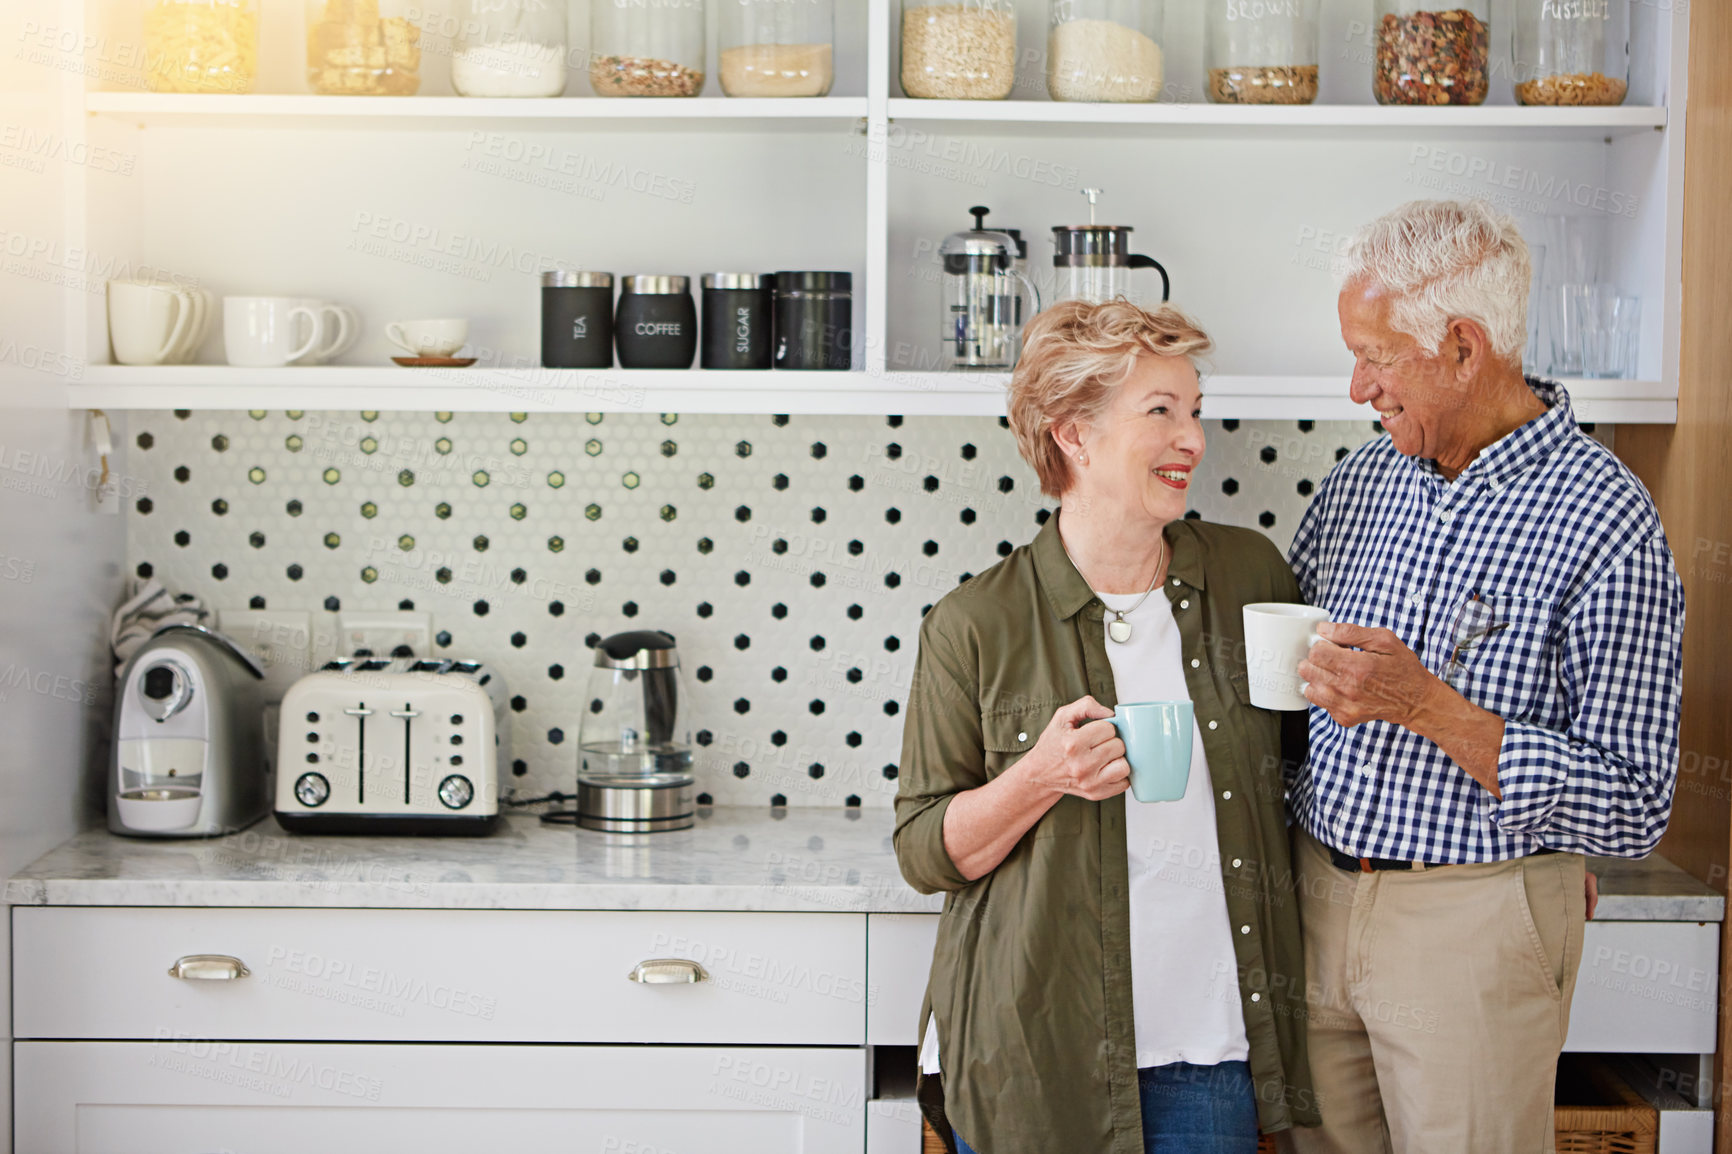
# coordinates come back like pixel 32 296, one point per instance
pixel 1498 696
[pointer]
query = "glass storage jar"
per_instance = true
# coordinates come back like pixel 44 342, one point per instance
pixel 1571 51
pixel 362 48
pixel 1105 50
pixel 778 47
pixel 1430 54
pixel 958 49
pixel 1262 51
pixel 646 47
pixel 509 48
pixel 201 45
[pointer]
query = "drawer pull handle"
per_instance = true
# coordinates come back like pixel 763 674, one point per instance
pixel 668 972
pixel 208 968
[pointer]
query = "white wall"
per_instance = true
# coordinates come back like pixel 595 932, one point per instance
pixel 60 560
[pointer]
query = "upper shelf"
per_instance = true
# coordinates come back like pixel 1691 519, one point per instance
pixel 1402 119
pixel 388 388
pixel 433 111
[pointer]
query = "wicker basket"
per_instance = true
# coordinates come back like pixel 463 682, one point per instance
pixel 1598 1113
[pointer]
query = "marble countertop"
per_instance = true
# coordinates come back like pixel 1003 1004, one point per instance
pixel 1652 889
pixel 734 859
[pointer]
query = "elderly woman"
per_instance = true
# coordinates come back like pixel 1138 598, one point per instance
pixel 1110 975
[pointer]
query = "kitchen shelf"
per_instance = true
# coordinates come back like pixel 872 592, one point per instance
pixel 1227 117
pixel 1250 206
pixel 386 388
pixel 287 111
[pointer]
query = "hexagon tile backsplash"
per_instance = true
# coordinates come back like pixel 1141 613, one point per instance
pixel 792 557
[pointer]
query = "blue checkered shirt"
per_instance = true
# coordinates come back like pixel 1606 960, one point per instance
pixel 1565 545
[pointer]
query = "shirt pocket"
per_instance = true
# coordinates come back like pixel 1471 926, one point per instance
pixel 1511 671
pixel 1010 734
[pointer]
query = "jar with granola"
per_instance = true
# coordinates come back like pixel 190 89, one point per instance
pixel 646 47
pixel 958 49
pixel 1431 54
pixel 1262 51
pixel 1105 50
pixel 1571 51
pixel 362 48
pixel 201 45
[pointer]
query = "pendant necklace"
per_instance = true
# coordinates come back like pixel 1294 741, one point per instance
pixel 1118 628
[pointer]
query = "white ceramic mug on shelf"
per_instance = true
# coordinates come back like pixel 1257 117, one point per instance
pixel 260 332
pixel 440 338
pixel 203 309
pixel 1277 637
pixel 342 329
pixel 148 323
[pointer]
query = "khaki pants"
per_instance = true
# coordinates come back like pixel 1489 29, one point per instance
pixel 1438 1002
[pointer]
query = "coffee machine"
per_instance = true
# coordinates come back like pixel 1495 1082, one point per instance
pixel 189 751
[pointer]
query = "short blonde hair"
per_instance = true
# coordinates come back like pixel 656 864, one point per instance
pixel 1447 259
pixel 1073 356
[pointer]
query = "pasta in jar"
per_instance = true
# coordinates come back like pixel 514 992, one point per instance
pixel 201 45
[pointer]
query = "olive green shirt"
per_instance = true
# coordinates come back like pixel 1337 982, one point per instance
pixel 1031 975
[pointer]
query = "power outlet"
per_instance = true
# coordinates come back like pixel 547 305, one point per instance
pixel 281 641
pixel 386 634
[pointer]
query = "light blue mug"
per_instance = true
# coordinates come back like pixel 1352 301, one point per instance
pixel 1157 737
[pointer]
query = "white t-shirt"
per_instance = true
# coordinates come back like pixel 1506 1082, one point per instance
pixel 1184 975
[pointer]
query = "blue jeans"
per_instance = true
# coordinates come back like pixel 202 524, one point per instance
pixel 1193 1110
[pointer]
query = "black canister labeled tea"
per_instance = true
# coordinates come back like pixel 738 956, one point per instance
pixel 657 323
pixel 577 320
pixel 738 318
pixel 814 320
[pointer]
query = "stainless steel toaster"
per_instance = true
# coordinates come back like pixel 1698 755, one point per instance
pixel 393 746
pixel 189 750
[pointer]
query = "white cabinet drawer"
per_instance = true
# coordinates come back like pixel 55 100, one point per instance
pixel 171 1097
pixel 445 975
pixel 1647 987
pixel 899 959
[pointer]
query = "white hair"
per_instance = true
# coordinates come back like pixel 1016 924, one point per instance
pixel 1444 260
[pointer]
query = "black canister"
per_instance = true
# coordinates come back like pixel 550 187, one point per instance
pixel 814 320
pixel 577 320
pixel 737 320
pixel 657 323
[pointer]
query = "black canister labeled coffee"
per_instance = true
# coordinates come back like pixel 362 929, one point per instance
pixel 577 320
pixel 814 320
pixel 657 323
pixel 738 319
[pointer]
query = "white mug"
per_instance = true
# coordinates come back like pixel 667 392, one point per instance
pixel 260 331
pixel 203 308
pixel 1277 637
pixel 440 338
pixel 342 329
pixel 147 323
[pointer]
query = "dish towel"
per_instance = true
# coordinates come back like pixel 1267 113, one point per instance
pixel 148 608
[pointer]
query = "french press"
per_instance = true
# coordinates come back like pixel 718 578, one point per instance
pixel 1093 262
pixel 983 314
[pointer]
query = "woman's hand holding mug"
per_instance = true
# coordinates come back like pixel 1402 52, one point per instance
pixel 1079 753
